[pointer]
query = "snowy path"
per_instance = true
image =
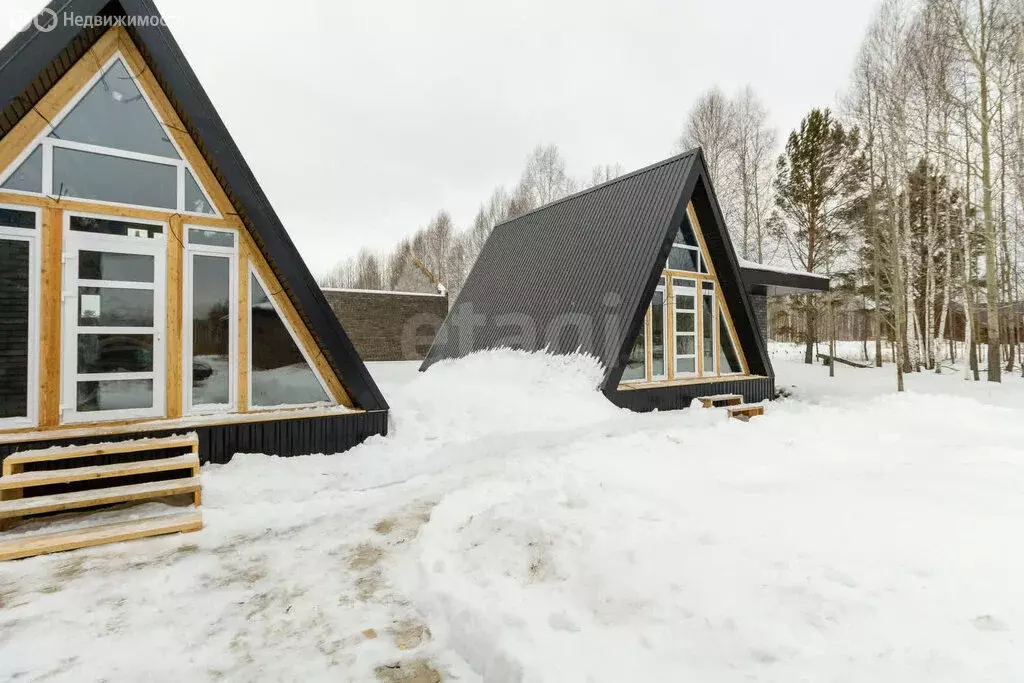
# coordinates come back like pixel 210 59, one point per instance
pixel 850 535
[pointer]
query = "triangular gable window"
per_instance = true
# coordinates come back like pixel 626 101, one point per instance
pixel 279 373
pixel 686 332
pixel 115 115
pixel 195 199
pixel 110 146
pixel 28 177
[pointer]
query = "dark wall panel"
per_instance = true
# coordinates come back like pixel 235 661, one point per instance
pixel 219 443
pixel 678 397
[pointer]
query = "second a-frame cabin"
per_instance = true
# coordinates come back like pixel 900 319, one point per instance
pixel 147 288
pixel 638 272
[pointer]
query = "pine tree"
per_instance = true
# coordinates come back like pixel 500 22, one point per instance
pixel 819 184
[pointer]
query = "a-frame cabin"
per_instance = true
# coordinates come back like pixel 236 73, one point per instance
pixel 147 287
pixel 638 272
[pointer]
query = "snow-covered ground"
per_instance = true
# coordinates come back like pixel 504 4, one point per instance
pixel 517 526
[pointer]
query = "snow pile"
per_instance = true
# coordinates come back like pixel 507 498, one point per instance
pixel 515 526
pixel 500 392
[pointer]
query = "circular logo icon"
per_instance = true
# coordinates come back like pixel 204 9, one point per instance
pixel 45 21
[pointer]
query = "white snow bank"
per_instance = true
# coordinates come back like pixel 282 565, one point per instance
pixel 515 526
pixel 500 392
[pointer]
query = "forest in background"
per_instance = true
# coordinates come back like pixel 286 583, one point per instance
pixel 908 192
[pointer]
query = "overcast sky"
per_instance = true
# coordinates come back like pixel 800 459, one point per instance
pixel 362 119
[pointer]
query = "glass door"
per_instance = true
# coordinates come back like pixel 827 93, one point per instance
pixel 114 293
pixel 684 293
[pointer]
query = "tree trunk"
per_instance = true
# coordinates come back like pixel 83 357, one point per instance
pixel 809 335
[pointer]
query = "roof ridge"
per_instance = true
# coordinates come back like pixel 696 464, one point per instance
pixel 664 162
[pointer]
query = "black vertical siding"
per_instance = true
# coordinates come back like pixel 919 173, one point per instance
pixel 753 390
pixel 219 443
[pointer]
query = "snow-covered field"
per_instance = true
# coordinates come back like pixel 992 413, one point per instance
pixel 517 526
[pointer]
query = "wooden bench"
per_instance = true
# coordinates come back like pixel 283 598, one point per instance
pixel 720 400
pixel 745 411
pixel 15 482
pixel 826 360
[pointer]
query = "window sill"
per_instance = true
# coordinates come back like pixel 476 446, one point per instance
pixel 632 386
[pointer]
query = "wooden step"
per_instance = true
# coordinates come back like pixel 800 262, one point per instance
pixel 115 494
pixel 745 411
pixel 16 462
pixel 39 544
pixel 720 399
pixel 126 469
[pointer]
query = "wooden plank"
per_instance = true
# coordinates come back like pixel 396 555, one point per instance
pixel 108 496
pixel 127 469
pixel 175 256
pixel 29 546
pixel 243 326
pixel 633 386
pixel 50 318
pixel 728 399
pixel 745 411
pixel 83 206
pixel 91 450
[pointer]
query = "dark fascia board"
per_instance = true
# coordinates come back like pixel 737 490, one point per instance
pixel 697 188
pixel 788 283
pixel 614 375
pixel 31 51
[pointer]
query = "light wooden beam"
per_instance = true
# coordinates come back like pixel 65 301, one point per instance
pixel 50 318
pixel 172 336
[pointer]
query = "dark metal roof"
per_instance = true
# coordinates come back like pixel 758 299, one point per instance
pixel 777 281
pixel 33 61
pixel 578 274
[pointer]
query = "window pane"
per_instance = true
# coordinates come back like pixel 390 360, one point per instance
pixel 115 353
pixel 211 238
pixel 13 218
pixel 686 302
pixel 114 114
pixel 113 179
pixel 685 346
pixel 108 226
pixel 683 282
pixel 684 322
pixel 106 265
pixel 121 394
pixel 708 337
pixel 685 234
pixel 29 176
pixel 685 365
pixel 708 286
pixel 658 335
pixel 682 258
pixel 211 330
pixel 280 375
pixel 195 200
pixel 728 359
pixel 14 315
pixel 113 307
pixel 635 366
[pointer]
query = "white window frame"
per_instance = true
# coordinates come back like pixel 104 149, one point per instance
pixel 70 329
pixel 295 339
pixel 705 293
pixel 32 237
pixel 47 144
pixel 685 290
pixel 664 333
pixel 231 253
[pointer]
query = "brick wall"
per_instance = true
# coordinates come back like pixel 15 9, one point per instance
pixel 386 325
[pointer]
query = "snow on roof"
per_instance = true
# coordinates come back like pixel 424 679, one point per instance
pixel 753 265
pixel 379 291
